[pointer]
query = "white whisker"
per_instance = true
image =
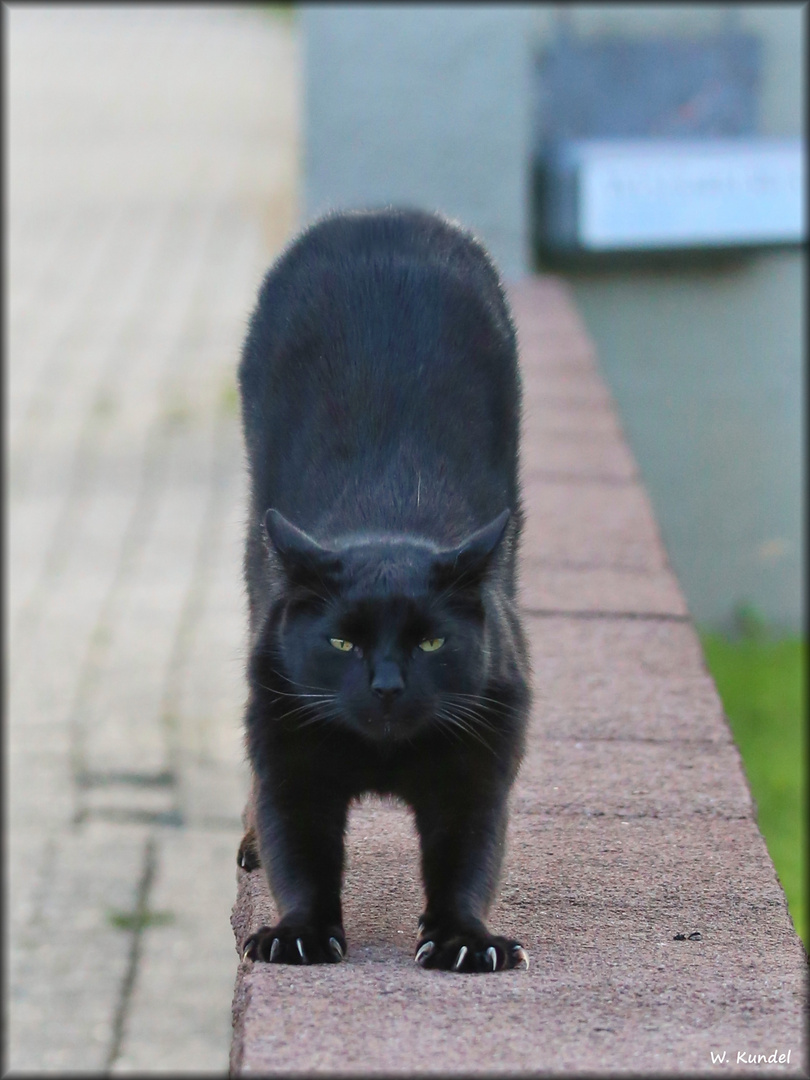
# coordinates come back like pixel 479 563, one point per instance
pixel 462 724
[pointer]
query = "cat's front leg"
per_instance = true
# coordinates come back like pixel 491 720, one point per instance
pixel 300 834
pixel 462 836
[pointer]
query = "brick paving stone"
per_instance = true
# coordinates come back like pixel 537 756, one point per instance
pixel 553 419
pixel 68 959
pixel 622 679
pixel 590 525
pixel 151 180
pixel 549 588
pixel 577 455
pixel 68 465
pixel 64 277
pixel 184 955
pixel 631 780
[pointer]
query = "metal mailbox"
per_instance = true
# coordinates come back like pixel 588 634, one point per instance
pixel 652 145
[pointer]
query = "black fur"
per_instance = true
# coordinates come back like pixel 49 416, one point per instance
pixel 381 402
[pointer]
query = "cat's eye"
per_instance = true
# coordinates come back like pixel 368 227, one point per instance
pixel 341 644
pixel 431 644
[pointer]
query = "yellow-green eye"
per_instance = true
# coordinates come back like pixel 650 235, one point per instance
pixel 431 644
pixel 341 644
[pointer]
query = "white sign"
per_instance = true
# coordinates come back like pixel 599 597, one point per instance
pixel 648 194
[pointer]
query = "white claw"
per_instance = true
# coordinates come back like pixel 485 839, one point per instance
pixel 424 952
pixel 301 952
pixel 522 958
pixel 335 946
pixel 462 952
pixel 245 952
pixel 274 948
pixel 420 928
pixel 493 957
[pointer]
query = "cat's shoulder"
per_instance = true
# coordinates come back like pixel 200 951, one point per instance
pixel 344 240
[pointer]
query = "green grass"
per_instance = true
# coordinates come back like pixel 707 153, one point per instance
pixel 285 12
pixel 762 683
pixel 134 920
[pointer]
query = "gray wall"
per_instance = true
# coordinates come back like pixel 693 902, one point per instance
pixel 422 105
pixel 430 105
pixel 706 368
pixel 705 363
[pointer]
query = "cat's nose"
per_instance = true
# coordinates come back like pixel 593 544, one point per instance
pixel 387 682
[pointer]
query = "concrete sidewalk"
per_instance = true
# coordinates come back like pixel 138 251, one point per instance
pixel 152 161
pixel 636 875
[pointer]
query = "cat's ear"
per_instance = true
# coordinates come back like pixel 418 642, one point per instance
pixel 301 555
pixel 468 562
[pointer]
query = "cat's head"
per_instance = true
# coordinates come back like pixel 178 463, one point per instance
pixel 383 634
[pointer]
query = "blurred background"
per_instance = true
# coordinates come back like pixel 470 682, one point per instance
pixel 158 159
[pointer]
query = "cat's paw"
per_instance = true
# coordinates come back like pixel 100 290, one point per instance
pixel 248 854
pixel 296 944
pixel 468 950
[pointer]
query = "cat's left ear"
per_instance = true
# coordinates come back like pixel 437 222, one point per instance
pixel 468 562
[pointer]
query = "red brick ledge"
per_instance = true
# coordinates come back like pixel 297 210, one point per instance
pixel 632 825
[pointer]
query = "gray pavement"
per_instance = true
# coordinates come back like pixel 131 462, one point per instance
pixel 152 164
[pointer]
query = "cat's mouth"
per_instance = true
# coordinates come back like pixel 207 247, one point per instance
pixel 391 724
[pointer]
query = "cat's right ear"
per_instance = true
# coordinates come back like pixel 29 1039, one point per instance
pixel 302 557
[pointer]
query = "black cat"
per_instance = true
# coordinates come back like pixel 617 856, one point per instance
pixel 381 401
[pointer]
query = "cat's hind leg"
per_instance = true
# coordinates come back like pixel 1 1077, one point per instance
pixel 248 854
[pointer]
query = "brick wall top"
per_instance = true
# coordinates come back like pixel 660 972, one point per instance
pixel 631 823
